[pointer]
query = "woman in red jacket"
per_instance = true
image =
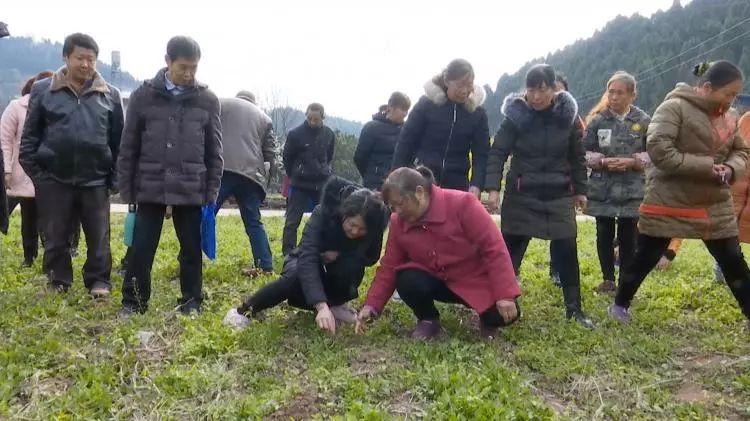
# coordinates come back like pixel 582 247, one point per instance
pixel 442 246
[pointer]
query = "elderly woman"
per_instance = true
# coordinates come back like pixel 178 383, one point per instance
pixel 615 145
pixel 447 131
pixel 442 246
pixel 697 154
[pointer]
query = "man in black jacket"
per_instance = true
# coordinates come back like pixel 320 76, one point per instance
pixel 69 148
pixel 308 153
pixel 377 141
pixel 171 156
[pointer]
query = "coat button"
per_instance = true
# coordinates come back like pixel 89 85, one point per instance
pixel 171 118
pixel 169 145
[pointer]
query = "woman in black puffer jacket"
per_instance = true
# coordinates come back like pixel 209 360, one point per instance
pixel 446 127
pixel 546 179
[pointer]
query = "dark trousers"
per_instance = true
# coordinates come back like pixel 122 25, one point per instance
pixel 341 280
pixel 626 233
pixel 419 290
pixel 61 207
pixel 249 197
pixel 298 202
pixel 149 219
pixel 649 250
pixel 566 261
pixel 29 225
pixel 553 263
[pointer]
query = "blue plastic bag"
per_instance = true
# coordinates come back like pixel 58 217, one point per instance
pixel 208 230
pixel 129 230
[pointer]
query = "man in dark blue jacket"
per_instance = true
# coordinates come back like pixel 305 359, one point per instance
pixel 308 154
pixel 69 148
pixel 377 141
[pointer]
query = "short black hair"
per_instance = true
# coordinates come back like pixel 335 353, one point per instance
pixel 399 100
pixel 79 40
pixel 183 47
pixel 540 75
pixel 316 107
pixel 561 78
pixel 718 73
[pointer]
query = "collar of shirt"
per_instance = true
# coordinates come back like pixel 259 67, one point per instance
pixel 171 87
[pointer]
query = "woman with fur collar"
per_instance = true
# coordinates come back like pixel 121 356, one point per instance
pixel 447 131
pixel 546 180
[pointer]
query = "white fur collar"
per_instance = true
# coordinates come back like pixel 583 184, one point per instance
pixel 437 95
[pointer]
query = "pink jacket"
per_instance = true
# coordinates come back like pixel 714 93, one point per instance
pixel 458 242
pixel 11 129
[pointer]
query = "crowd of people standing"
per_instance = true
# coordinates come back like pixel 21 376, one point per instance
pixel 68 146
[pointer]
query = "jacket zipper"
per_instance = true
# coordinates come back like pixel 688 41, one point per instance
pixel 544 175
pixel 447 146
pixel 75 142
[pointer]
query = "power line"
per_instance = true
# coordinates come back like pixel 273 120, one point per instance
pixel 706 41
pixel 593 95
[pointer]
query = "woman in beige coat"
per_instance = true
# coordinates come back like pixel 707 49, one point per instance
pixel 18 185
pixel 697 154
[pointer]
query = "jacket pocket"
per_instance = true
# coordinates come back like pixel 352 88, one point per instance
pixel 597 186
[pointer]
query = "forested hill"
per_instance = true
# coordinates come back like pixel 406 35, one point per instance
pixel 21 58
pixel 660 51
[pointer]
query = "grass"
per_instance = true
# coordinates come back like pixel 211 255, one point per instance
pixel 685 356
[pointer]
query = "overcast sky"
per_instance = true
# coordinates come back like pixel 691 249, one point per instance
pixel 349 55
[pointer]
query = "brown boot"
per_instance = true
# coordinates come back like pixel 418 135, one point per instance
pixel 606 287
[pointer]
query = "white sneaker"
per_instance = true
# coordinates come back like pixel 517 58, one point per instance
pixel 344 314
pixel 236 320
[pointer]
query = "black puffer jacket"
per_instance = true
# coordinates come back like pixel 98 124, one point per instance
pixel 171 148
pixel 69 138
pixel 548 167
pixel 324 232
pixel 308 154
pixel 441 134
pixel 374 154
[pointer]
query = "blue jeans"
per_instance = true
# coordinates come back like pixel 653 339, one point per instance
pixel 249 196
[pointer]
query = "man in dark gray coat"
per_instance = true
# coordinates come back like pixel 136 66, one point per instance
pixel 170 156
pixel 249 155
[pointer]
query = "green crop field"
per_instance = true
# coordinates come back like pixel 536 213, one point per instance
pixel 685 356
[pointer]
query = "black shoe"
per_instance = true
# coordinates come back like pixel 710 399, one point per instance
pixel 127 312
pixel 583 320
pixel 58 287
pixel 27 263
pixel 190 309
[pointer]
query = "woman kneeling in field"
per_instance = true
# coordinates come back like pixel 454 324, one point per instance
pixel 442 246
pixel 343 236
